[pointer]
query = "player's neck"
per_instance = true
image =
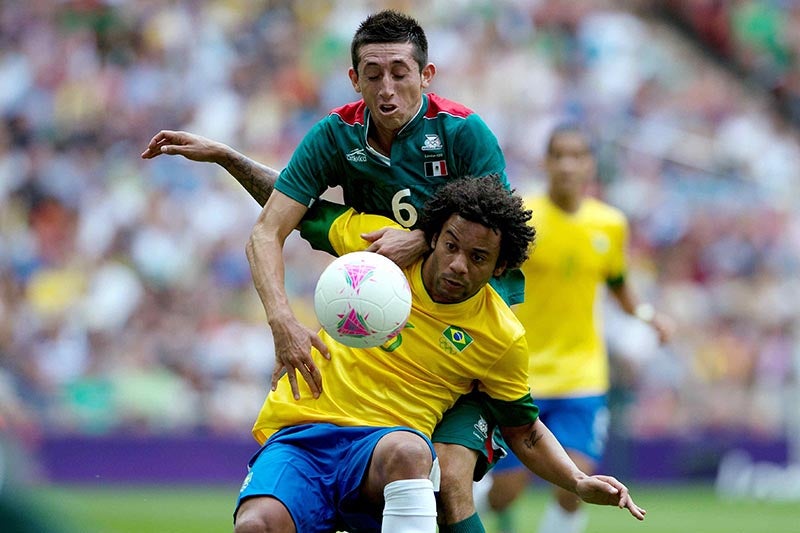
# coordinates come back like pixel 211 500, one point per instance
pixel 381 140
pixel 567 203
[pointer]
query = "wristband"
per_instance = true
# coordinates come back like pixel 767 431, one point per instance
pixel 645 312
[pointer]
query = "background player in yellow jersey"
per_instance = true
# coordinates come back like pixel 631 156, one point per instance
pixel 359 456
pixel 580 247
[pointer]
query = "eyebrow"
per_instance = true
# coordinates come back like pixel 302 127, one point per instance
pixel 474 250
pixel 396 61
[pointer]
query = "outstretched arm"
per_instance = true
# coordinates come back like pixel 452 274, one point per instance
pixel 293 341
pixel 539 450
pixel 257 179
pixel 661 323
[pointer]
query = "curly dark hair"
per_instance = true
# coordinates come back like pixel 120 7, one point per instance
pixel 487 201
pixel 390 26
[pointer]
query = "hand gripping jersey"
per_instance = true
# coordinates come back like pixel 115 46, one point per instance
pixel 575 254
pixel 445 140
pixel 414 378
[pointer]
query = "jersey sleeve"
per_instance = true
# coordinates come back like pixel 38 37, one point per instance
pixel 510 286
pixel 513 413
pixel 507 378
pixel 337 229
pixel 618 265
pixel 313 166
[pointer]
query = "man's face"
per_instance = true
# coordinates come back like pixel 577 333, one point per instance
pixel 391 83
pixel 569 164
pixel 464 259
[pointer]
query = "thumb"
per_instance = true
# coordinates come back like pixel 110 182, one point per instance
pixel 320 346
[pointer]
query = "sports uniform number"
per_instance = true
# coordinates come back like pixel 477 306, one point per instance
pixel 404 212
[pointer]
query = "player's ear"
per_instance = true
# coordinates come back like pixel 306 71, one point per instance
pixel 354 79
pixel 499 268
pixel 427 74
pixel 434 239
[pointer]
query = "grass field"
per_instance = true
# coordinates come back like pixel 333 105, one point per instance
pixel 201 510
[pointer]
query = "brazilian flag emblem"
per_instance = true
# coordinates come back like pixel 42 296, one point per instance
pixel 457 337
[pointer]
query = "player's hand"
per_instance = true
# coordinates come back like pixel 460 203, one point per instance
pixel 293 343
pixel 183 143
pixel 607 490
pixel 402 247
pixel 664 327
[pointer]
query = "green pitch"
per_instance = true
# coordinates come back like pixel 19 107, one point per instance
pixel 112 509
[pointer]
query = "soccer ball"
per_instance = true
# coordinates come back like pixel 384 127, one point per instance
pixel 362 299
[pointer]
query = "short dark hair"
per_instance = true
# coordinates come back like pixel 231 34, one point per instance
pixel 390 26
pixel 487 201
pixel 570 127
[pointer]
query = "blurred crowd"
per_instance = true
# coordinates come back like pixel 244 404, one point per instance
pixel 126 302
pixel 760 39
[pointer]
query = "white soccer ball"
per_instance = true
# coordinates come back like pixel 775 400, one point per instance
pixel 362 299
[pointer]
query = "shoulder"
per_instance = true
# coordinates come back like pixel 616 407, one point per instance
pixel 605 213
pixel 535 200
pixel 539 204
pixel 438 106
pixel 351 114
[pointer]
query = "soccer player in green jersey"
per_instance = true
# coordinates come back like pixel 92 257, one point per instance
pixel 389 152
pixel 580 247
pixel 358 457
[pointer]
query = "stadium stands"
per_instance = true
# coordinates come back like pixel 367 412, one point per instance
pixel 126 303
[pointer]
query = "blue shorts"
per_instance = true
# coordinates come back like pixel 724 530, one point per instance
pixel 579 424
pixel 316 471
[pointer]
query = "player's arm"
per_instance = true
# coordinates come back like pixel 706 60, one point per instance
pixel 510 405
pixel 338 229
pixel 542 454
pixel 330 227
pixel 616 279
pixel 398 244
pixel 645 312
pixel 402 247
pixel 257 179
pixel 293 341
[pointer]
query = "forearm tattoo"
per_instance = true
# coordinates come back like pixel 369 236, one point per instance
pixel 531 440
pixel 257 179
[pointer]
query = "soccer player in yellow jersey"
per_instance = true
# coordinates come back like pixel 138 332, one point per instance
pixel 580 247
pixel 359 457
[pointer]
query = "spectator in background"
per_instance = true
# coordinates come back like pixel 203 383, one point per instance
pixel 139 265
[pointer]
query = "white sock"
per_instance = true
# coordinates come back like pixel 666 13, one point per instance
pixel 410 507
pixel 480 493
pixel 557 520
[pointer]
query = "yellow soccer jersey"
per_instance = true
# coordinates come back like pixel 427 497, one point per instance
pixel 575 255
pixel 412 379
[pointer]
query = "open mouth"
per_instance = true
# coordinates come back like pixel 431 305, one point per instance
pixel 387 108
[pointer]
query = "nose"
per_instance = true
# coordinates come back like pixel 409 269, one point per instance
pixel 566 164
pixel 458 264
pixel 387 86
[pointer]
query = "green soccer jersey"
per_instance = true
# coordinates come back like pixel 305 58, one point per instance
pixel 444 141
